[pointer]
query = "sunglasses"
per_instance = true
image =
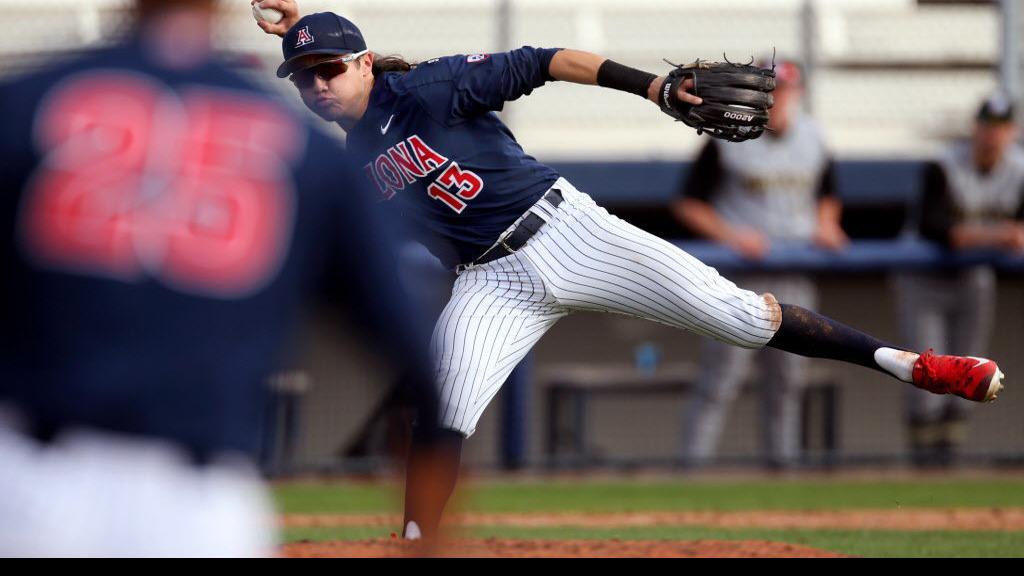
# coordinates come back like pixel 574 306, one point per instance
pixel 325 70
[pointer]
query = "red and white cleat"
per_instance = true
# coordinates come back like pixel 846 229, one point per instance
pixel 977 379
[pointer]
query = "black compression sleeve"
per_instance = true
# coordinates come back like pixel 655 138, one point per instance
pixel 810 334
pixel 705 175
pixel 1020 209
pixel 937 211
pixel 827 184
pixel 614 75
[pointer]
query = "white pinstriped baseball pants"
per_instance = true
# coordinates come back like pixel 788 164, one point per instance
pixel 583 259
pixel 101 494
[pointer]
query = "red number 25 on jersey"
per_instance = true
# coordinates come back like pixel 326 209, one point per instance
pixel 138 182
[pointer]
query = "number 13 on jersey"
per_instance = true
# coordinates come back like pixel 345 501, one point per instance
pixel 454 186
pixel 411 160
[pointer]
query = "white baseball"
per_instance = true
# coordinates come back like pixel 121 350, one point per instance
pixel 270 15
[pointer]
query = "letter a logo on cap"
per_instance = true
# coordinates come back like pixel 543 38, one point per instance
pixel 304 37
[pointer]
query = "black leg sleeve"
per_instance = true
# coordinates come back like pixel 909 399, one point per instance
pixel 809 334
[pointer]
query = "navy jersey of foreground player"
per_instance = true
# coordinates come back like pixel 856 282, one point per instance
pixel 430 139
pixel 160 227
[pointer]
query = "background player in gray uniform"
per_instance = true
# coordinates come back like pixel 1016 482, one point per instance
pixel 973 198
pixel 751 196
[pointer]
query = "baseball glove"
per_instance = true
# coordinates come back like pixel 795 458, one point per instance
pixel 736 98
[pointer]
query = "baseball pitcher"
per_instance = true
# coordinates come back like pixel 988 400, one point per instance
pixel 529 247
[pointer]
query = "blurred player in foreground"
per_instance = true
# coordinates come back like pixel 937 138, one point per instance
pixel 973 199
pixel 529 247
pixel 776 190
pixel 162 221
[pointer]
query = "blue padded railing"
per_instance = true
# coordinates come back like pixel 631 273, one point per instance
pixel 860 256
pixel 657 182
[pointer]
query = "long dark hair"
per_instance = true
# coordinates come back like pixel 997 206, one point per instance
pixel 391 63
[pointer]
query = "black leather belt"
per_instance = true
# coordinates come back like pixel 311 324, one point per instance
pixel 518 238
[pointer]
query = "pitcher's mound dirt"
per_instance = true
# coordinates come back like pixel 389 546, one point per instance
pixel 988 519
pixel 501 548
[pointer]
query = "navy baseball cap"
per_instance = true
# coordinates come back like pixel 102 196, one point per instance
pixel 996 109
pixel 320 33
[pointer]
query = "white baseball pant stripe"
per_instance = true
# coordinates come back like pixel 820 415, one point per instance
pixel 583 259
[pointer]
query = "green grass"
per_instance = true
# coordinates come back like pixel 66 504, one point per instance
pixel 691 495
pixel 604 496
pixel 342 498
pixel 868 543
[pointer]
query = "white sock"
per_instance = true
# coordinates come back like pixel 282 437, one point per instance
pixel 412 531
pixel 899 363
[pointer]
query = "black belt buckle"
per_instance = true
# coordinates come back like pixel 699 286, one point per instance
pixel 517 238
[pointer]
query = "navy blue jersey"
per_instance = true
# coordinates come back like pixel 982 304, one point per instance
pixel 161 227
pixel 430 140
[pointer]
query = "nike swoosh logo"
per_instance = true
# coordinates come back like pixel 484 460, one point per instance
pixel 384 128
pixel 981 361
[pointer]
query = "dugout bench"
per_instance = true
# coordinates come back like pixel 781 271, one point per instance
pixel 571 388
